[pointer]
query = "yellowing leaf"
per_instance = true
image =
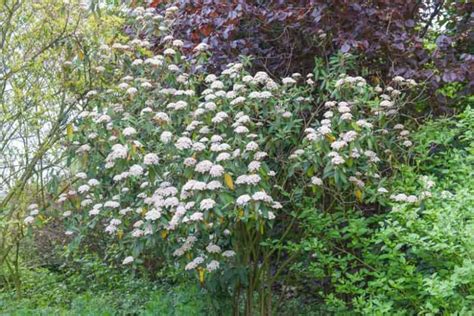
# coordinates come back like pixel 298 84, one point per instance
pixel 358 195
pixel 201 275
pixel 85 159
pixel 228 181
pixel 69 131
pixel 241 212
pixel 330 138
pixel 120 234
pixel 164 234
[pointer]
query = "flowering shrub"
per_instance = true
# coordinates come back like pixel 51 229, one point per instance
pixel 204 170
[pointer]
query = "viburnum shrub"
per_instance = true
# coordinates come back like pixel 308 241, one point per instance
pixel 204 171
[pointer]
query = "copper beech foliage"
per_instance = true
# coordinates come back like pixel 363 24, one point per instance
pixel 285 36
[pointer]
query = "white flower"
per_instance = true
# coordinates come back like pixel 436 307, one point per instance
pixel 328 114
pixel 364 123
pixel 382 190
pixel 123 86
pixel 212 266
pixel 28 220
pixel 136 170
pixel 223 157
pixel 346 117
pixel 214 185
pixel 86 202
pixel 103 119
pixel 277 205
pixel 330 104
pixel 210 78
pixel 81 175
pixel 343 108
pixel 112 204
pixel 254 166
pixel 118 152
pixel 197 146
pixel 197 216
pixel 115 222
pixel 241 129
pixel 212 248
pixel 271 215
pixel 324 130
pixel 207 204
pixel 189 162
pixel 84 148
pixel 286 114
pixel 220 117
pixel 316 181
pixel 83 189
pixel 243 200
pixel 337 160
pixel 91 93
pixel 151 159
pixel 288 81
pixel 356 181
pixel 201 47
pixel 372 156
pixel 132 90
pixel 129 131
pixel 252 179
pixel 169 51
pixel 349 136
pixel 216 171
pixel 183 143
pixel 190 266
pixel 153 215
pixel 93 182
pixel 162 117
pixel 166 137
pixel 203 166
pixel 262 196
pixel 128 260
pixel 217 85
pixel 228 253
pixel 337 145
pixel 252 146
pixel 238 100
pixel 386 104
pixel 94 211
pixel 137 62
pixel 399 197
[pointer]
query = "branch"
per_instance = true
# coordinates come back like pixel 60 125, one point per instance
pixel 432 16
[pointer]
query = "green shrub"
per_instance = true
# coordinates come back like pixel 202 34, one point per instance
pixel 415 258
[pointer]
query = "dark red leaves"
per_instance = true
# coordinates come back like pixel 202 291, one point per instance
pixel 285 36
